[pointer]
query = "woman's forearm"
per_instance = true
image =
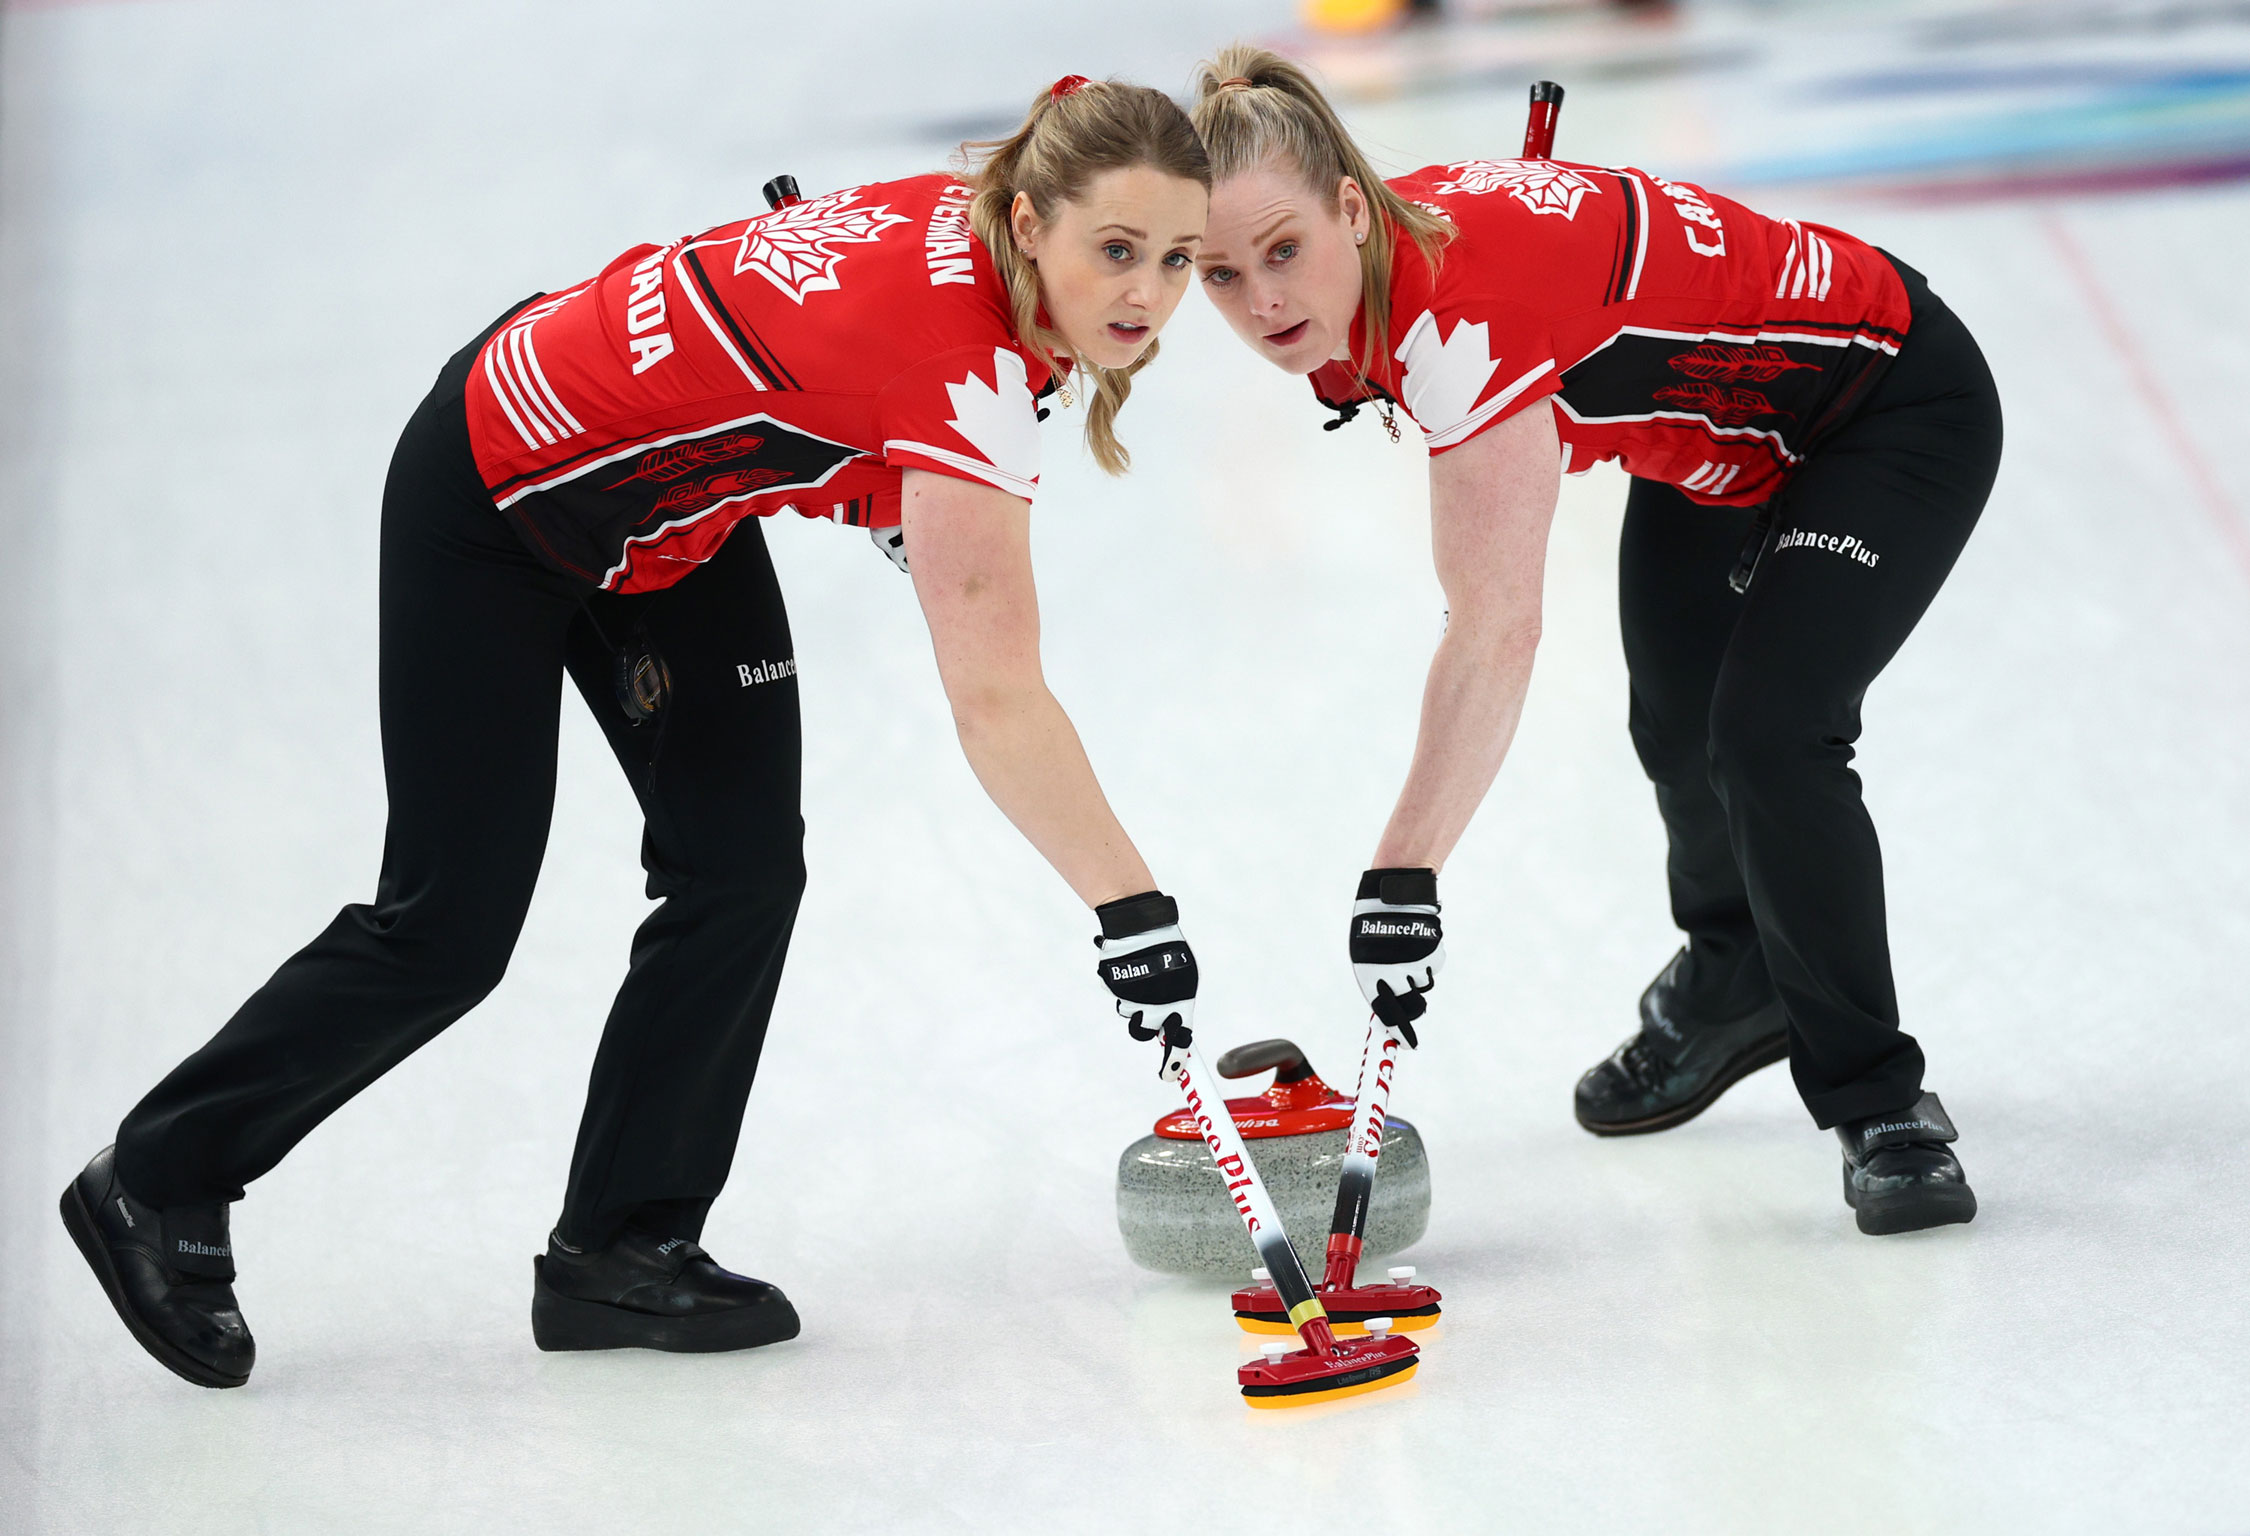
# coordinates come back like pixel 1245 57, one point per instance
pixel 1026 754
pixel 1470 706
pixel 1491 501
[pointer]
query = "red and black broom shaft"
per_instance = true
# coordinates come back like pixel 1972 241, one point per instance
pixel 1539 132
pixel 1355 1183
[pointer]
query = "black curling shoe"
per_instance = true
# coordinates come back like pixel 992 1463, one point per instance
pixel 1678 1065
pixel 169 1274
pixel 1900 1174
pixel 649 1292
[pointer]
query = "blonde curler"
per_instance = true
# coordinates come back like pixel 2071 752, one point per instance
pixel 1073 133
pixel 1253 105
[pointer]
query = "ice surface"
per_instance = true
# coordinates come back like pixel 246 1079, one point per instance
pixel 240 238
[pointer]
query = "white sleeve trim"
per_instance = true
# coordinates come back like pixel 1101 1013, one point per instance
pixel 1014 485
pixel 1468 425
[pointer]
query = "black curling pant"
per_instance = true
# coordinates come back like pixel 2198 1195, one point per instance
pixel 476 638
pixel 1745 707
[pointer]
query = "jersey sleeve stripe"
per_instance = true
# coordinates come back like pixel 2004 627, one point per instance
pixel 1014 485
pixel 500 393
pixel 1627 237
pixel 1640 248
pixel 1467 426
pixel 520 375
pixel 531 356
pixel 515 392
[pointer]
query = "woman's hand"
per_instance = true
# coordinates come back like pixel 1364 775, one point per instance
pixel 970 556
pixel 1491 502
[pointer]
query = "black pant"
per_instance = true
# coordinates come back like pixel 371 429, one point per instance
pixel 476 636
pixel 1745 708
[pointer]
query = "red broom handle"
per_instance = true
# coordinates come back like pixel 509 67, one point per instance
pixel 1539 131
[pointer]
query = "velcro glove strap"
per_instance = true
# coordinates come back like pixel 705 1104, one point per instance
pixel 1400 887
pixel 1926 1121
pixel 1129 916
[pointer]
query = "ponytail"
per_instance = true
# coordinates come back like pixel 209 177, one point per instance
pixel 1073 133
pixel 1252 105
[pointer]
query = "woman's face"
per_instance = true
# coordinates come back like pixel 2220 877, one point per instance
pixel 1282 264
pixel 1114 260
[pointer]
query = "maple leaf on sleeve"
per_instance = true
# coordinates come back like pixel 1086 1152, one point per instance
pixel 1001 423
pixel 1444 376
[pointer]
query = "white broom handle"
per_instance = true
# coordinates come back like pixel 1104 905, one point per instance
pixel 1378 1073
pixel 1215 1123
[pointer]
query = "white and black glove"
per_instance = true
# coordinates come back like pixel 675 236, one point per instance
pixel 892 542
pixel 1398 944
pixel 1149 969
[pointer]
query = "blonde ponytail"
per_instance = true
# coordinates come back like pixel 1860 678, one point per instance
pixel 1069 137
pixel 1252 105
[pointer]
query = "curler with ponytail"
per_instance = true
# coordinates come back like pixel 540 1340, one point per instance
pixel 1076 130
pixel 1252 105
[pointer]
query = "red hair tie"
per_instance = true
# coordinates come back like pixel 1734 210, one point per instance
pixel 1068 85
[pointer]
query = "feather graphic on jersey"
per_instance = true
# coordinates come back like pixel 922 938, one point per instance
pixel 1717 363
pixel 727 485
pixel 665 465
pixel 1721 407
pixel 1443 378
pixel 1540 185
pixel 792 247
pixel 1001 423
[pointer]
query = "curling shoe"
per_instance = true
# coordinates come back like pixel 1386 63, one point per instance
pixel 1678 1065
pixel 169 1274
pixel 650 1292
pixel 1900 1173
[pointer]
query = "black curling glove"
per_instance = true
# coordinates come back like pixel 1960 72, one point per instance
pixel 1398 944
pixel 1149 969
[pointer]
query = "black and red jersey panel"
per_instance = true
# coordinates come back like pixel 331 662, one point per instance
pixel 1692 340
pixel 799 360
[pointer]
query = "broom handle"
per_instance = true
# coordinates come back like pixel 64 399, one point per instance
pixel 1539 131
pixel 1216 1124
pixel 1355 1184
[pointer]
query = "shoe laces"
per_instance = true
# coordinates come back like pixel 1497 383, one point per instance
pixel 1640 1063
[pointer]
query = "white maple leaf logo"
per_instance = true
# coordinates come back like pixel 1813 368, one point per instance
pixel 1540 185
pixel 793 247
pixel 1445 377
pixel 1002 424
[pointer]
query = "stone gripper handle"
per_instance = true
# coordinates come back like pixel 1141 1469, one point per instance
pixel 1259 1055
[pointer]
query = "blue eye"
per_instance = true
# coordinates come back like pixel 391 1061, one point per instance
pixel 1285 250
pixel 1116 251
pixel 1176 260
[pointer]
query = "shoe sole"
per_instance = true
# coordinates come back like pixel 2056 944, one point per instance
pixel 79 1222
pixel 561 1324
pixel 1760 1056
pixel 1943 1206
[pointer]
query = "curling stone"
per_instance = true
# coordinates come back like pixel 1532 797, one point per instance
pixel 1172 1206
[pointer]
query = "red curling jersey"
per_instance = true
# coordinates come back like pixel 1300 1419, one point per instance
pixel 798 361
pixel 1676 331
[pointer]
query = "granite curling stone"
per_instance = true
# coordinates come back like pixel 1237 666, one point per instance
pixel 1173 1209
